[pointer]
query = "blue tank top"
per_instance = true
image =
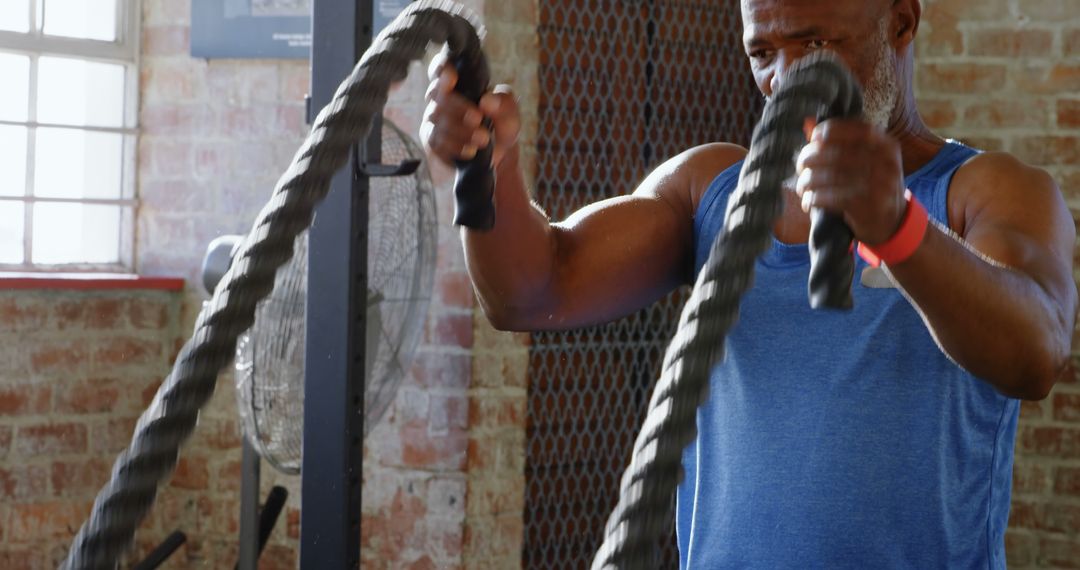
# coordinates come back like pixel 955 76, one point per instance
pixel 842 439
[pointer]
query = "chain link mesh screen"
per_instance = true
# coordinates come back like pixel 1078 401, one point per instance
pixel 625 84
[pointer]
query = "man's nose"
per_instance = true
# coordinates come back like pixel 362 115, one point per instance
pixel 780 67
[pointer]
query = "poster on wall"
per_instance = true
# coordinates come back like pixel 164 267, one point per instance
pixel 264 29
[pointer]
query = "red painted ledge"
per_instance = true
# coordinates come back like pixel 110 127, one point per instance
pixel 88 281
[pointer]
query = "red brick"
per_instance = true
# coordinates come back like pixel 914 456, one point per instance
pixel 278 557
pixel 20 481
pixel 169 80
pixel 1031 410
pixel 44 439
pixel 165 157
pixel 455 290
pixel 68 314
pixel 23 399
pixel 937 113
pixel 48 520
pixel 104 314
pixel 92 396
pixel 218 433
pixel 191 473
pixel 21 315
pixel 166 12
pixel 1047 441
pixel 984 143
pixel 1029 477
pixel 184 510
pixel 1007 113
pixel 1046 80
pixel 112 435
pixel 489 411
pixel 1068 113
pixel 165 40
pixel 1053 11
pixel 228 476
pixel 1067 407
pixel 18 557
pixel 442 370
pixel 961 78
pixel 58 356
pixel 80 478
pixel 1059 553
pixel 292 520
pixel 941 37
pixel 447 412
pixel 969 10
pixel 451 330
pixel 1067 481
pixel 1071 43
pixel 1020 548
pixel 421 449
pixel 1009 42
pixel 1059 517
pixel 5 440
pixel 126 351
pixel 1047 150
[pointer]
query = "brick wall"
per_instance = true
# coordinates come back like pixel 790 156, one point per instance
pixel 78 367
pixel 76 370
pixel 1005 74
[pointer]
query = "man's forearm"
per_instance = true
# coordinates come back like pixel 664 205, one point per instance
pixel 511 265
pixel 996 322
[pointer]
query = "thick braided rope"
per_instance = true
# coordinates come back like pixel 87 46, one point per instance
pixel 151 457
pixel 816 87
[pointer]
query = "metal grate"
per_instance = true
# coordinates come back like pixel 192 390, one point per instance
pixel 624 86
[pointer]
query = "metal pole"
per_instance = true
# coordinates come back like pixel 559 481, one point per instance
pixel 337 286
pixel 249 508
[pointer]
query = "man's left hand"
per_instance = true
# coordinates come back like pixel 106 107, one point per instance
pixel 854 169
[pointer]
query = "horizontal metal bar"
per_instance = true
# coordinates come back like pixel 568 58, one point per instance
pixel 41 44
pixel 93 201
pixel 37 125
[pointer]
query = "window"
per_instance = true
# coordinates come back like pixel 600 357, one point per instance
pixel 67 133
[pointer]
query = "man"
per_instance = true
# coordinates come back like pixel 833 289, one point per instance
pixel 876 438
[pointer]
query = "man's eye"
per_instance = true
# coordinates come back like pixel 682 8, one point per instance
pixel 761 54
pixel 816 44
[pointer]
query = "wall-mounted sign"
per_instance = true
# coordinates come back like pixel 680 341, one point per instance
pixel 275 29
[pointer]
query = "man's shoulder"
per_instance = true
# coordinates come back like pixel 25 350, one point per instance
pixel 700 165
pixel 996 177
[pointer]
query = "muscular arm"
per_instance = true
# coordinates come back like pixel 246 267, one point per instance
pixel 604 261
pixel 1000 297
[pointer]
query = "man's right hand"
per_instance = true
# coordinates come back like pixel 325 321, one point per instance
pixel 453 127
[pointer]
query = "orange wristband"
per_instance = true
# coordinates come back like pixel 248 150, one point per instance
pixel 906 239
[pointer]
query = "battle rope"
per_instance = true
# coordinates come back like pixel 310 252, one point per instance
pixel 817 86
pixel 151 457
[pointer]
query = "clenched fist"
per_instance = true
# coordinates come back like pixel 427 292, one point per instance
pixel 454 128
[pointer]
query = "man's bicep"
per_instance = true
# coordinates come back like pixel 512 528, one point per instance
pixel 1019 219
pixel 614 257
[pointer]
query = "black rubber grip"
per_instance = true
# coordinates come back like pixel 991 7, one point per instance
pixel 474 186
pixel 832 257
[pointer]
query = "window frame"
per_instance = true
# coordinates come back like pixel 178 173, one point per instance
pixel 124 51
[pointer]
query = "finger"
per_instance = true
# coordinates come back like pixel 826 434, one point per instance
pixel 453 108
pixel 819 154
pixel 842 130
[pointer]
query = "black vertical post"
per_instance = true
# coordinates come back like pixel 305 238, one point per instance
pixel 337 294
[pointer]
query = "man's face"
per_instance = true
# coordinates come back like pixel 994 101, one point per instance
pixel 776 33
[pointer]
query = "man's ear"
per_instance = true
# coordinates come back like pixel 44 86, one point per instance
pixel 906 15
